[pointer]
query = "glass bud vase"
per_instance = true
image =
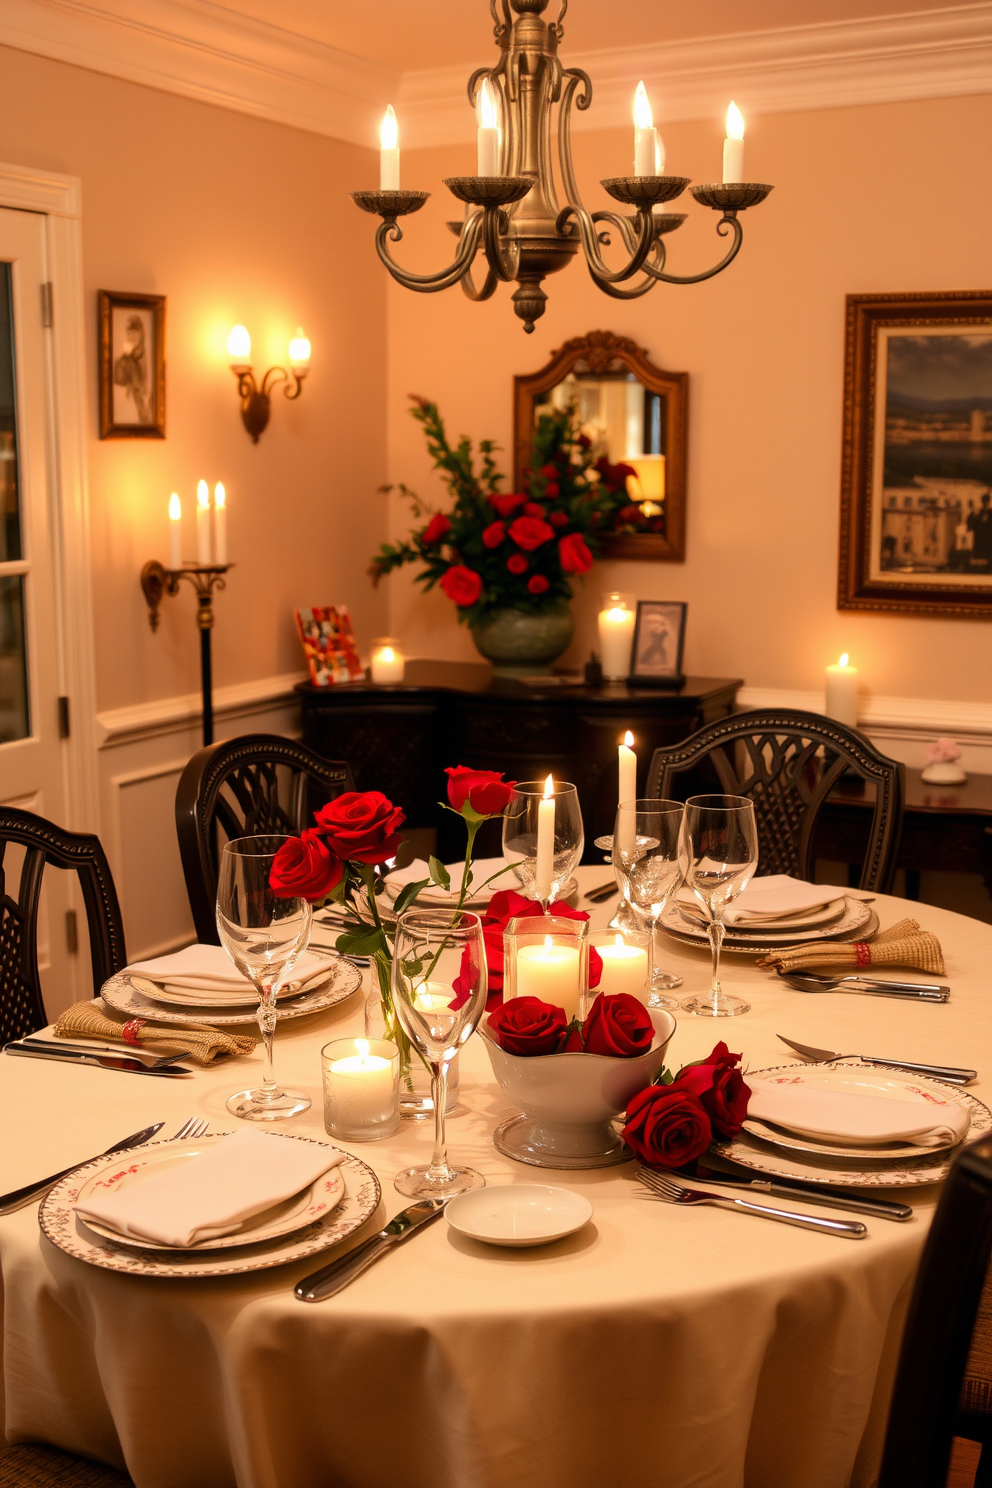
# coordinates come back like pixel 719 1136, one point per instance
pixel 416 1102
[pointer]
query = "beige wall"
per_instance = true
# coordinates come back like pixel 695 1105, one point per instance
pixel 234 219
pixel 883 198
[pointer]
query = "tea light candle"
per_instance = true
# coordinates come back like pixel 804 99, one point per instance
pixel 842 692
pixel 544 868
pixel 733 147
pixel 387 663
pixel 389 153
pixel 616 636
pixel 361 1088
pixel 203 545
pixel 550 972
pixel 625 968
pixel 175 532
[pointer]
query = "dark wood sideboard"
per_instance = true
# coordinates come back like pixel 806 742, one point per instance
pixel 398 739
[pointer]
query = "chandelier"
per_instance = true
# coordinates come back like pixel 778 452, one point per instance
pixel 512 212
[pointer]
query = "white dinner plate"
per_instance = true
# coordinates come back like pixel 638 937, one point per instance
pixel 858 922
pixel 812 919
pixel 518 1214
pixel 856 1167
pixel 282 1219
pixel 70 1233
pixel 344 979
pixel 203 998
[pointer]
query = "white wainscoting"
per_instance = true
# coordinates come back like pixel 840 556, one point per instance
pixel 143 751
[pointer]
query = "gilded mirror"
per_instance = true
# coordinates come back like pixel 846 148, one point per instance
pixel 635 417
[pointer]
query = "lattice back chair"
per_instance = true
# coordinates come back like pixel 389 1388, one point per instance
pixel 245 787
pixel 943 1387
pixel 787 762
pixel 22 1007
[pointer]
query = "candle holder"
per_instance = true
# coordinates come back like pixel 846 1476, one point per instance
pixel 390 204
pixel 157 581
pixel 489 191
pixel 731 196
pixel 645 191
pixel 547 957
pixel 361 1080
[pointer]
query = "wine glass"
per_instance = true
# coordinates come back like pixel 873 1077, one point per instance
pixel 543 874
pixel 439 992
pixel 646 863
pixel 719 853
pixel 263 934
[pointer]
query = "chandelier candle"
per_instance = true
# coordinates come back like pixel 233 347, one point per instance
pixel 389 154
pixel 649 158
pixel 616 635
pixel 488 135
pixel 175 532
pixel 733 147
pixel 203 544
pixel 842 693
pixel 220 523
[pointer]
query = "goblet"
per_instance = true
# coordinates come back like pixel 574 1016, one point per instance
pixel 435 949
pixel 646 863
pixel 543 876
pixel 718 851
pixel 263 934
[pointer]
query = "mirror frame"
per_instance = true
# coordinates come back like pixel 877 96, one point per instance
pixel 601 351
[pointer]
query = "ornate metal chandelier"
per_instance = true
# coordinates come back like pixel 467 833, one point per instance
pixel 512 213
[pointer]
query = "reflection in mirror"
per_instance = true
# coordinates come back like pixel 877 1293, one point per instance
pixel 625 423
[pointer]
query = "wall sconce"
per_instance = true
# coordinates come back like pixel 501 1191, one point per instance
pixel 256 401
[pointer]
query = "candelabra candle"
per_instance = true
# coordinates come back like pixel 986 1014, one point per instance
pixel 203 544
pixel 487 139
pixel 733 147
pixel 175 532
pixel 361 1089
pixel 389 154
pixel 220 523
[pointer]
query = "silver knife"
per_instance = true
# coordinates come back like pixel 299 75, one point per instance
pixel 102 1061
pixel 18 1198
pixel 338 1274
pixel 832 1198
pixel 147 1056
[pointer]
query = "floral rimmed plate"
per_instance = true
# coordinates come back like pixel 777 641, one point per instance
pixel 854 1169
pixel 858 922
pixel 71 1234
pixel 344 979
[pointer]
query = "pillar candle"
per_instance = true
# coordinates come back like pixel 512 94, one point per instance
pixel 551 973
pixel 220 523
pixel 545 865
pixel 616 636
pixel 733 147
pixel 389 154
pixel 487 138
pixel 842 693
pixel 203 544
pixel 625 968
pixel 175 532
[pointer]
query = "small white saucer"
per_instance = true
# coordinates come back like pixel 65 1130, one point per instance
pixel 518 1214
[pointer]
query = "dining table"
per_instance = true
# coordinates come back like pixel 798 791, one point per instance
pixel 657 1347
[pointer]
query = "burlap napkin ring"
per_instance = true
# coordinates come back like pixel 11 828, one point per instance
pixel 904 944
pixel 200 1041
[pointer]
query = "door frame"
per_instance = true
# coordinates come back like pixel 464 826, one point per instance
pixel 57 199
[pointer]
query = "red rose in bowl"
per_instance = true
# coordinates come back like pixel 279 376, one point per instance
pixel 362 826
pixel 526 1025
pixel 462 585
pixel 666 1126
pixel 303 868
pixel 618 1025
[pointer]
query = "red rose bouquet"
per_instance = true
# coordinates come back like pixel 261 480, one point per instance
pixel 671 1124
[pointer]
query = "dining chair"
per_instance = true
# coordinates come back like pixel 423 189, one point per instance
pixel 943 1390
pixel 787 762
pixel 245 787
pixel 22 1007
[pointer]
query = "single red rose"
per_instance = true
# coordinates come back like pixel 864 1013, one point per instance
pixel 719 1086
pixel 526 1025
pixel 548 471
pixel 507 505
pixel 558 519
pixel 517 563
pixel 435 529
pixel 551 490
pixel 494 534
pixel 485 790
pixel 361 826
pixel 574 554
pixel 304 868
pixel 530 533
pixel 462 585
pixel 538 584
pixel 618 1025
pixel 666 1126
pixel 532 509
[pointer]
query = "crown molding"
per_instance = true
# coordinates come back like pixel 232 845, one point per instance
pixel 209 52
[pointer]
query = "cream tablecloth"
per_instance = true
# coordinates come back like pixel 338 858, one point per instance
pixel 658 1348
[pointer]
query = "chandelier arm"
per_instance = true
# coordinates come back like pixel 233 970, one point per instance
pixel 590 244
pixel 503 263
pixel 623 225
pixel 571 80
pixel 429 283
pixel 488 289
pixel 728 258
pixel 559 28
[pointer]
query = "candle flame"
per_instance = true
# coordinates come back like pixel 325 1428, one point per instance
pixel 239 344
pixel 628 739
pixel 362 1045
pixel 389 130
pixel 844 660
pixel 203 495
pixel 220 496
pixel 487 106
pixel 175 508
pixel 642 108
pixel 549 788
pixel 735 122
pixel 387 654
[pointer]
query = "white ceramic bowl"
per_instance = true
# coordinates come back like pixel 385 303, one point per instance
pixel 518 1214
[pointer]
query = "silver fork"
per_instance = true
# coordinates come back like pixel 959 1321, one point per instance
pixel 662 1187
pixel 194 1127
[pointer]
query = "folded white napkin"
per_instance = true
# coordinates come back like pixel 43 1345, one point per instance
pixel 773 898
pixel 215 1192
pixel 209 968
pixel 482 869
pixel 856 1120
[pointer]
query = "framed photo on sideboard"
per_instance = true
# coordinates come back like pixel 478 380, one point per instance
pixel 659 639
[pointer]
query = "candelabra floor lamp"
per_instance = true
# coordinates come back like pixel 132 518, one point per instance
pixel 157 581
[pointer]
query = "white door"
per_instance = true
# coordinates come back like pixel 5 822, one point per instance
pixel 32 751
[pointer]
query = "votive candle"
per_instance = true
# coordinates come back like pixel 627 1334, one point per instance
pixel 625 968
pixel 551 973
pixel 361 1088
pixel 387 662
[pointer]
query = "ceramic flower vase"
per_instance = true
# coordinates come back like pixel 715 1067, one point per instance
pixel 524 642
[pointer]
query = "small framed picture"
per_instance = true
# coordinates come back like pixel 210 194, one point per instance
pixel 659 636
pixel 132 365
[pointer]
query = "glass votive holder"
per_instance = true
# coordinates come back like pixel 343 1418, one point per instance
pixel 626 958
pixel 547 957
pixel 361 1080
pixel 387 662
pixel 617 613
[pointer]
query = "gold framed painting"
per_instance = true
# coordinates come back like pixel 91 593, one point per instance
pixel 916 492
pixel 132 365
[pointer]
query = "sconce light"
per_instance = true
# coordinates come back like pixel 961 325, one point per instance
pixel 255 400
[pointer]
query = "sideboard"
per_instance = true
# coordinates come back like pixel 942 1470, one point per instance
pixel 398 739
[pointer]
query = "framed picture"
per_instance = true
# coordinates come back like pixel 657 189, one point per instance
pixel 132 365
pixel 916 496
pixel 329 645
pixel 659 636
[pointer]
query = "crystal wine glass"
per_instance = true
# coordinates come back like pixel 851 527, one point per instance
pixel 263 934
pixel 646 863
pixel 521 828
pixel 439 992
pixel 719 853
